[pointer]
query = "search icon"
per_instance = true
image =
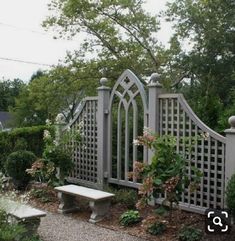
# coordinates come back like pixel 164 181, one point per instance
pixel 217 221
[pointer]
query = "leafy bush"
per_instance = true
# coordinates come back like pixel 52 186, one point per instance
pixel 188 233
pixel 130 217
pixel 157 228
pixel 125 196
pixel 27 138
pixel 162 211
pixel 230 195
pixel 16 165
pixel 167 172
pixel 60 157
pixel 56 161
pixel 43 172
pixel 33 238
pixel 44 194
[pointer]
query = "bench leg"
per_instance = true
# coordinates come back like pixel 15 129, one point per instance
pixel 99 210
pixel 31 225
pixel 67 203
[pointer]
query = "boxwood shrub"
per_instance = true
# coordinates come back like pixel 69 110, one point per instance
pixel 26 138
pixel 16 165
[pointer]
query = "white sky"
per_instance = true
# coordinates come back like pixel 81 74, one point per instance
pixel 23 38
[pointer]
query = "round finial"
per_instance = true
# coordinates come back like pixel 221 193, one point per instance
pixel 231 121
pixel 103 81
pixel 154 79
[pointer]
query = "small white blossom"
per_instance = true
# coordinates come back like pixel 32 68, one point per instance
pixel 55 142
pixel 60 119
pixel 205 135
pixel 48 122
pixel 46 134
pixel 136 142
pixel 146 130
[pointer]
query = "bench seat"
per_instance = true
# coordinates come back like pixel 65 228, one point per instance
pixel 99 201
pixel 22 213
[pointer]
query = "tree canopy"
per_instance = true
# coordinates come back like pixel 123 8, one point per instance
pixel 56 91
pixel 9 90
pixel 118 31
pixel 207 28
pixel 120 34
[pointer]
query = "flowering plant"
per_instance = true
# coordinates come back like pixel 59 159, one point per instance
pixel 167 173
pixel 42 170
pixel 55 156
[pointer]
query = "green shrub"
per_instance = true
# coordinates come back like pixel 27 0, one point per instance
pixel 124 196
pixel 188 233
pixel 16 165
pixel 230 195
pixel 162 211
pixel 130 217
pixel 45 195
pixel 127 197
pixel 157 228
pixel 3 218
pixel 27 138
pixel 33 238
pixel 167 173
pixel 60 158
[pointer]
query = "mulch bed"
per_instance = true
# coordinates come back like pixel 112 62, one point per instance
pixel 179 219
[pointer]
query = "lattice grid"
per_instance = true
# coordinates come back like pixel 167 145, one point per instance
pixel 85 153
pixel 207 154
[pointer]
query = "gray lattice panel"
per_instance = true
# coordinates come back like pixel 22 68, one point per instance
pixel 84 154
pixel 207 154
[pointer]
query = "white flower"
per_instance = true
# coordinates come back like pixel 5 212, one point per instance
pixel 48 122
pixel 60 119
pixel 205 135
pixel 46 134
pixel 146 130
pixel 136 142
pixel 55 142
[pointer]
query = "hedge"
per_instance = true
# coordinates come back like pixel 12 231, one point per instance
pixel 26 138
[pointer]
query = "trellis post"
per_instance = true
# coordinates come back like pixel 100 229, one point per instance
pixel 155 89
pixel 230 150
pixel 59 125
pixel 102 131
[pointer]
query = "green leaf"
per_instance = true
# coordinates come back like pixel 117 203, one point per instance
pixel 157 181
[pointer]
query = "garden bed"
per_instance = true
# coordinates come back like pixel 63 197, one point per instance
pixel 179 219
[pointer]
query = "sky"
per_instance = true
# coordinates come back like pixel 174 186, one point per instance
pixel 22 37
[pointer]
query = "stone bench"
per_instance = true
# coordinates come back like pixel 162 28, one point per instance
pixel 99 201
pixel 23 214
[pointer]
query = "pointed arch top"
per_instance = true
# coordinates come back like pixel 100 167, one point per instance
pixel 131 85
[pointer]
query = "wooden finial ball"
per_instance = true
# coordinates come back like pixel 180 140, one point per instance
pixel 231 121
pixel 103 81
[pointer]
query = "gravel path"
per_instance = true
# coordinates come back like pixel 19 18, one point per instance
pixel 57 227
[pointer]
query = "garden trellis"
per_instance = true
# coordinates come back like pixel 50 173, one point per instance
pixel 114 118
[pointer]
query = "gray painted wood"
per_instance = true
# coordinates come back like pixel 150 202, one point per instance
pixel 127 88
pixel 164 114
